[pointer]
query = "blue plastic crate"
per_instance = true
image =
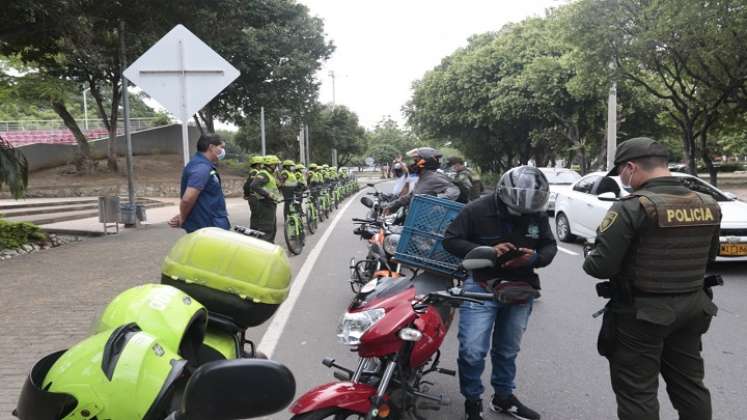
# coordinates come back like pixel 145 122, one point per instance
pixel 421 242
pixel 431 214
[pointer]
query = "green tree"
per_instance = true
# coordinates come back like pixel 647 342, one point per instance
pixel 335 128
pixel 687 53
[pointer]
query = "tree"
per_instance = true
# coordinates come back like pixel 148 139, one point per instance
pixel 275 44
pixel 335 128
pixel 13 169
pixel 689 54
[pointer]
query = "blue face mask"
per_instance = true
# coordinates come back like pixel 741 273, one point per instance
pixel 222 154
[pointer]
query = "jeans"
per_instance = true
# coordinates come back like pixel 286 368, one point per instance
pixel 479 326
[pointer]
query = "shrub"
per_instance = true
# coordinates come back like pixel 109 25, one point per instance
pixel 13 234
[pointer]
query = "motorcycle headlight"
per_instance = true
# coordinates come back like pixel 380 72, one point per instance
pixel 390 243
pixel 354 324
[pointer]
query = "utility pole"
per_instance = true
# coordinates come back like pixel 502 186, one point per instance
pixel 308 142
pixel 332 75
pixel 85 108
pixel 262 129
pixel 612 123
pixel 126 116
pixel 301 144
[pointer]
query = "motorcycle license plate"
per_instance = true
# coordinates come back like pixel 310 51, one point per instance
pixel 733 250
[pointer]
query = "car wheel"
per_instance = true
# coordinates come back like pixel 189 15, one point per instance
pixel 563 228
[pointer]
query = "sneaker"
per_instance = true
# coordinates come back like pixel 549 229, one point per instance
pixel 473 410
pixel 514 407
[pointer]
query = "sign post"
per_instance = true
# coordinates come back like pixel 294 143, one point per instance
pixel 183 74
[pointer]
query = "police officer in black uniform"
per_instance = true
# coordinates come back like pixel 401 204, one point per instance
pixel 654 246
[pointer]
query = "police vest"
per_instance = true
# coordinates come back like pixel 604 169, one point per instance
pixel 290 180
pixel 271 186
pixel 301 178
pixel 671 255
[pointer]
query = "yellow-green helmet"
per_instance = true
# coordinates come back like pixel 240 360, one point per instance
pixel 118 374
pixel 163 311
pixel 256 160
pixel 325 166
pixel 300 166
pixel 271 160
pixel 289 162
pixel 313 166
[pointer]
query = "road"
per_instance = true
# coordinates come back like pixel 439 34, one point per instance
pixel 51 298
pixel 560 373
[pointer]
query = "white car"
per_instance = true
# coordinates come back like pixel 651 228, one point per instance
pixel 560 180
pixel 579 211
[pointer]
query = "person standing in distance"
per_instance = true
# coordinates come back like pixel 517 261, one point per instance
pixel 513 220
pixel 470 185
pixel 202 202
pixel 654 245
pixel 263 199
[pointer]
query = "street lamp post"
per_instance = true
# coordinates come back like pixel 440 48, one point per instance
pixel 85 108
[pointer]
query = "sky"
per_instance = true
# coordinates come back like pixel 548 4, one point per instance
pixel 382 46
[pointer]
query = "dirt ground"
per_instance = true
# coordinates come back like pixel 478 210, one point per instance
pixel 165 168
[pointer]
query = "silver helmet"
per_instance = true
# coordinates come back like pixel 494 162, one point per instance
pixel 524 190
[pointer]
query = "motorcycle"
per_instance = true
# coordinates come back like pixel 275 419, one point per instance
pixel 377 203
pixel 383 239
pixel 396 326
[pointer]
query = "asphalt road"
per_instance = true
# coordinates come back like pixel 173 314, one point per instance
pixel 50 299
pixel 560 373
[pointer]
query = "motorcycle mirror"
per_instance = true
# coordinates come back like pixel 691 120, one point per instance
pixel 367 201
pixel 480 257
pixel 237 389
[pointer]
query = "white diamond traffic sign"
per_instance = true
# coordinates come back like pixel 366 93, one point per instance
pixel 182 73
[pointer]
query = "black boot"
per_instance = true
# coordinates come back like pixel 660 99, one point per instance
pixel 514 407
pixel 473 410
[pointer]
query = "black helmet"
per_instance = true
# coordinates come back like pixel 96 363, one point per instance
pixel 524 189
pixel 426 157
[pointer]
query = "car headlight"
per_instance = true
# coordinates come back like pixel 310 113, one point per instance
pixel 390 243
pixel 354 324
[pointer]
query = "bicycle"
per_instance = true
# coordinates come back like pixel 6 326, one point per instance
pixel 325 203
pixel 312 217
pixel 293 231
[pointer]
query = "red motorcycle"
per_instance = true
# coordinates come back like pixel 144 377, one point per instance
pixel 397 327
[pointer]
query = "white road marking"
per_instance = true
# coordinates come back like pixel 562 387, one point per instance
pixel 568 251
pixel 275 330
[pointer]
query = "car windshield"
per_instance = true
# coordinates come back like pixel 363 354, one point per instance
pixel 561 177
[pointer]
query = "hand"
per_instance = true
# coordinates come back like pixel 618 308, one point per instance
pixel 176 221
pixel 522 260
pixel 503 248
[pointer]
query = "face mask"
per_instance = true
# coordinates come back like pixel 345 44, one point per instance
pixel 626 184
pixel 222 154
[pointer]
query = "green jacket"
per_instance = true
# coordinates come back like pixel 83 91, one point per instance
pixel 264 186
pixel 618 233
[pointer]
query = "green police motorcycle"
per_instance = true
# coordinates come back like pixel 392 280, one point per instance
pixel 129 374
pixel 227 281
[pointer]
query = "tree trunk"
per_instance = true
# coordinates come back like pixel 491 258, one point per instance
pixel 688 143
pixel 85 162
pixel 208 118
pixel 96 93
pixel 199 125
pixel 706 156
pixel 111 155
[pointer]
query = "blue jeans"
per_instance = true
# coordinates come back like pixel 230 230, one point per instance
pixel 479 325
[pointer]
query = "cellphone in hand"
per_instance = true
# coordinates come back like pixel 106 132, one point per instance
pixel 508 256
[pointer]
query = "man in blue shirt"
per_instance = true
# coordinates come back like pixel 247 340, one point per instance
pixel 203 203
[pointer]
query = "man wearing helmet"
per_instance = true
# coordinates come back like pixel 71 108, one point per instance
pixel 426 160
pixel 264 198
pixel 288 183
pixel 513 220
pixel 469 183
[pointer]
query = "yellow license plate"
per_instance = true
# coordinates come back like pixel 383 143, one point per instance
pixel 733 250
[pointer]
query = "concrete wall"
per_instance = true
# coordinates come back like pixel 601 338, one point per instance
pixel 166 140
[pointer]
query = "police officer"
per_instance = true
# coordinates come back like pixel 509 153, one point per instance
pixel 202 202
pixel 513 220
pixel 264 198
pixel 255 164
pixel 300 172
pixel 469 183
pixel 654 246
pixel 288 184
pixel 426 160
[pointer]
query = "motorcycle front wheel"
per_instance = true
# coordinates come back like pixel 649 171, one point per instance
pixel 329 413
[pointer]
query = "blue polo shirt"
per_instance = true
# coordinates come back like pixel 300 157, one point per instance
pixel 210 208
